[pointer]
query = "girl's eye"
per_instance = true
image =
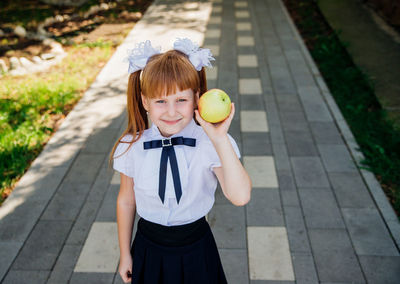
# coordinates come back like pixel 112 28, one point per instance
pixel 182 100
pixel 160 101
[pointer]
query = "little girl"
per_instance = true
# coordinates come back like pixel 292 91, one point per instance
pixel 169 171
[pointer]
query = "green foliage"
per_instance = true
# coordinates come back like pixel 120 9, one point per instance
pixel 29 105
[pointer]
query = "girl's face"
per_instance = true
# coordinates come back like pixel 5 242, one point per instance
pixel 171 113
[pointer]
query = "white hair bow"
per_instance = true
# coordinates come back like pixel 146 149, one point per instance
pixel 139 56
pixel 199 57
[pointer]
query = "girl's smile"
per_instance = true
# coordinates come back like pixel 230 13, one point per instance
pixel 171 113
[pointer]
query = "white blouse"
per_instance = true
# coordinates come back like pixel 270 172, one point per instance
pixel 195 164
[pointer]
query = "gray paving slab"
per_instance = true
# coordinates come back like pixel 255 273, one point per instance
pixel 304 268
pixel 251 102
pixel 287 189
pixel 248 72
pixel 8 251
pixel 300 143
pixel 26 276
pixel 43 246
pixel 281 157
pixel 326 133
pixel 320 208
pixel 227 223
pixel 308 172
pixel 85 167
pixel 235 263
pixel 296 229
pixel 293 121
pixel 108 207
pixel 350 190
pixel 84 278
pixel 264 208
pixel 334 256
pixel 64 267
pixel 256 144
pixel 368 232
pixel 381 269
pixel 337 158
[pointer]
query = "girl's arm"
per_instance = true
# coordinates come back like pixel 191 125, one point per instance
pixel 233 178
pixel 126 209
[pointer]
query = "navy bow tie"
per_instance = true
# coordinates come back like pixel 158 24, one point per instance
pixel 168 152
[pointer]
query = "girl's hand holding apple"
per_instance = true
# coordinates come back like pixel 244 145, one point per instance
pixel 216 106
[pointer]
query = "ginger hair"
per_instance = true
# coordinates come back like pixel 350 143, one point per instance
pixel 163 75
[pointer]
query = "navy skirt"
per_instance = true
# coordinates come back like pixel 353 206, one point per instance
pixel 176 254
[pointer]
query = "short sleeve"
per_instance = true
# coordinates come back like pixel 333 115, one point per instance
pixel 212 155
pixel 122 160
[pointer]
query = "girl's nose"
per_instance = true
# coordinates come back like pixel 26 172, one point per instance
pixel 171 109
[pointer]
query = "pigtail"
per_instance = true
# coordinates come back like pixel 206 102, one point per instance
pixel 203 81
pixel 137 116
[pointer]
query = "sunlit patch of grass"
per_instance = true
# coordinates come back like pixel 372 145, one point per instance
pixel 31 105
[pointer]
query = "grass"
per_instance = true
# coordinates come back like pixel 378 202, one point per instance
pixel 31 105
pixel 375 133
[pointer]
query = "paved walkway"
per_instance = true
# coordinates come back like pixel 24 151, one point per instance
pixel 313 216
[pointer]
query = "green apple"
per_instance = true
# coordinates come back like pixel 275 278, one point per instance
pixel 214 105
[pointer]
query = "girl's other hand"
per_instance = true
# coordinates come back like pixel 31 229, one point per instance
pixel 216 131
pixel 125 269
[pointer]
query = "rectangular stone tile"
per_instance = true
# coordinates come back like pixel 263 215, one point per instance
pixel 242 14
pixel 108 208
pixel 245 41
pixel 67 202
pixel 368 232
pixel 287 189
pixel 253 121
pixel 256 143
pixel 227 223
pixel 235 265
pixel 250 86
pixel 261 170
pixel 83 223
pixel 251 102
pixel 381 269
pixel 247 61
pixel 288 103
pixel 240 4
pixel 245 49
pixel 8 251
pixel 320 208
pixel 217 9
pixel 300 143
pixel 308 172
pixel 243 26
pixel 326 133
pixel 248 73
pixel 213 33
pixel 281 156
pixel 212 73
pixel 85 168
pixel 43 246
pixel 264 208
pixel 297 232
pixel 214 49
pixel 65 264
pixel 215 20
pixel 98 278
pixel 314 106
pixel 101 140
pixel 100 186
pixel 304 269
pixel 293 121
pixel 271 242
pixel 100 252
pixel 337 158
pixel 334 256
pixel 350 190
pixel 26 276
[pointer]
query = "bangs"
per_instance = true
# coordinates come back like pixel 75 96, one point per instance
pixel 167 73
